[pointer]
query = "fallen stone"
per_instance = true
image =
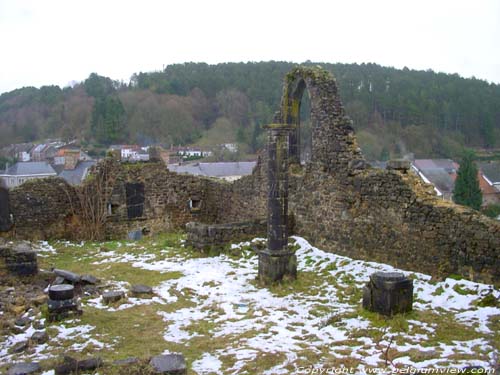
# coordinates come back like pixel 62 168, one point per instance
pixel 115 296
pixel 20 347
pixel 89 279
pixel 90 364
pixel 40 337
pixel 126 361
pixel 22 322
pixel 67 367
pixel 138 290
pixel 171 364
pixel 24 368
pixel 68 275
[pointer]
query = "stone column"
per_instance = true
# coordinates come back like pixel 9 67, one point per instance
pixel 277 261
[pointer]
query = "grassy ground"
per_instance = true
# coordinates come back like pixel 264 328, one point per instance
pixel 319 312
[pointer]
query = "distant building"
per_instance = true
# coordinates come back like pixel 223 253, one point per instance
pixel 442 173
pixel 229 171
pixel 19 151
pixel 76 175
pixel 131 152
pixel 21 172
pixel 231 147
pixel 439 172
pixel 43 152
pixel 491 172
pixel 189 152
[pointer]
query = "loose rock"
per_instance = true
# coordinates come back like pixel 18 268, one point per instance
pixel 24 368
pixel 115 296
pixel 172 364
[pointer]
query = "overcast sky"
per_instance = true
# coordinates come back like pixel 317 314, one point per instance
pixel 59 41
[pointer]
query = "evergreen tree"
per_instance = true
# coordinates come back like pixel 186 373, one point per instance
pixel 108 120
pixel 467 191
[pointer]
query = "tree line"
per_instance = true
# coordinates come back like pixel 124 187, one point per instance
pixel 395 112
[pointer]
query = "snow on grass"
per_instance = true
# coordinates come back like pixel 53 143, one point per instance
pixel 284 324
pixel 226 322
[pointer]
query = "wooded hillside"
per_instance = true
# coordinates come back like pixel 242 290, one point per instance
pixel 394 111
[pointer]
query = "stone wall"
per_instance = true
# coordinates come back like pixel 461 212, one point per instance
pixel 207 236
pixel 41 208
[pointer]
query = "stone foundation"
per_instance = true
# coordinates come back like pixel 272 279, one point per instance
pixel 207 236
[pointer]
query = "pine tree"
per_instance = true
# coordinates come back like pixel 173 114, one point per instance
pixel 467 191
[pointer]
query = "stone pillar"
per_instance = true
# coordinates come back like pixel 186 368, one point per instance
pixel 277 261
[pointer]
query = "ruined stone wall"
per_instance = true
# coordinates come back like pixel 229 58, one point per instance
pixel 336 201
pixel 206 236
pixel 41 209
pixel 392 217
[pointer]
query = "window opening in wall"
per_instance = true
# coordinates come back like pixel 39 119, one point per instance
pixel 135 199
pixel 195 204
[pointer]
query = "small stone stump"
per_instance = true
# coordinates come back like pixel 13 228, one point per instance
pixel 171 364
pixel 62 302
pixel 388 293
pixel 21 260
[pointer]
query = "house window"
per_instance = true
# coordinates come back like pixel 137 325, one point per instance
pixel 135 199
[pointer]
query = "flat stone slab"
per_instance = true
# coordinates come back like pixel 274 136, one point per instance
pixel 126 361
pixel 89 279
pixel 171 364
pixel 141 289
pixel 90 364
pixel 22 322
pixel 115 296
pixel 68 275
pixel 20 347
pixel 40 337
pixel 24 368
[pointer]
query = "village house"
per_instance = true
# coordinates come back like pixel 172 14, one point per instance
pixel 229 171
pixel 131 152
pixel 21 172
pixel 19 151
pixel 43 152
pixel 442 173
pixel 190 152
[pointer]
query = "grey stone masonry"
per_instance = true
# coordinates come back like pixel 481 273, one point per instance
pixel 277 261
pixel 388 293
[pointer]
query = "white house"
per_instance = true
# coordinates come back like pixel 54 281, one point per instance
pixel 21 172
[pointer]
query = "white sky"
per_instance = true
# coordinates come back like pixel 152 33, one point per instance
pixel 59 41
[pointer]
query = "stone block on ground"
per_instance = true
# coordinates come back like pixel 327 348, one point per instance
pixel 388 293
pixel 89 279
pixel 140 290
pixel 61 292
pixel 114 296
pixel 171 364
pixel 40 337
pixel 24 368
pixel 67 275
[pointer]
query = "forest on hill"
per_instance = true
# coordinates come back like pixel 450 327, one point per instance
pixel 395 112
